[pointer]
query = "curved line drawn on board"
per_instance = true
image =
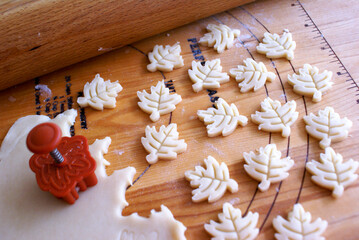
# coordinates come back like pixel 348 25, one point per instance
pixel 285 97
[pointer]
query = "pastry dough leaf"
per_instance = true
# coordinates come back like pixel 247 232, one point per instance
pixel 209 76
pixel 266 166
pixel 327 126
pixel 223 119
pixel 100 94
pixel 298 226
pixel 211 182
pixel 252 75
pixel 163 144
pixel 232 225
pixel 165 58
pixel 274 117
pixel 159 102
pixel 275 46
pixel 309 82
pixel 331 173
pixel 219 37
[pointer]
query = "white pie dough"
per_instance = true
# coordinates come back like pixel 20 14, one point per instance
pixel 274 117
pixel 208 76
pixel 309 82
pixel 266 166
pixel 223 119
pixel 327 126
pixel 163 144
pixel 165 59
pixel 211 182
pixel 33 214
pixel 220 37
pixel 275 46
pixel 332 173
pixel 159 101
pixel 233 226
pixel 299 226
pixel 251 75
pixel 100 94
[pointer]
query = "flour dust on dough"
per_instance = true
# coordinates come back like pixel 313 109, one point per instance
pixel 30 213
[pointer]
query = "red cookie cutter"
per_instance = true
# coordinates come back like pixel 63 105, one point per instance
pixel 61 164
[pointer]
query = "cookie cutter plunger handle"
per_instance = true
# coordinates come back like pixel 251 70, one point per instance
pixel 44 138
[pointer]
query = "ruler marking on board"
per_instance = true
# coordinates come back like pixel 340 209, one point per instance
pixel 326 43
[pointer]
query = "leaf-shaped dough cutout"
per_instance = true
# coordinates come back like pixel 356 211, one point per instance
pixel 209 76
pixel 274 117
pixel 159 102
pixel 100 94
pixel 298 226
pixel 211 182
pixel 252 75
pixel 331 173
pixel 327 126
pixel 309 82
pixel 223 119
pixel 233 226
pixel 275 46
pixel 266 166
pixel 165 58
pixel 219 37
pixel 163 144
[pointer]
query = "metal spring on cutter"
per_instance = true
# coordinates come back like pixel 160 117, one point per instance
pixel 56 155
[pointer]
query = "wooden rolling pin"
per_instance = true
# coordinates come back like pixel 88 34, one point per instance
pixel 38 37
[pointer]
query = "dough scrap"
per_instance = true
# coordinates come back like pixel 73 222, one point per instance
pixel 251 75
pixel 100 94
pixel 33 214
pixel 309 82
pixel 159 102
pixel 266 166
pixel 209 76
pixel 298 226
pixel 220 37
pixel 210 183
pixel 163 144
pixel 223 119
pixel 275 46
pixel 233 226
pixel 165 58
pixel 330 172
pixel 274 117
pixel 327 126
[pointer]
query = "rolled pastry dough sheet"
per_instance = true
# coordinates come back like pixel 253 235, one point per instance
pixel 29 213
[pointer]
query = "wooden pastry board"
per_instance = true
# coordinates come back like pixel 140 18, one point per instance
pixel 325 37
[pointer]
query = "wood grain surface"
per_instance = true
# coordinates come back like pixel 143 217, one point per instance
pixel 326 37
pixel 38 37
